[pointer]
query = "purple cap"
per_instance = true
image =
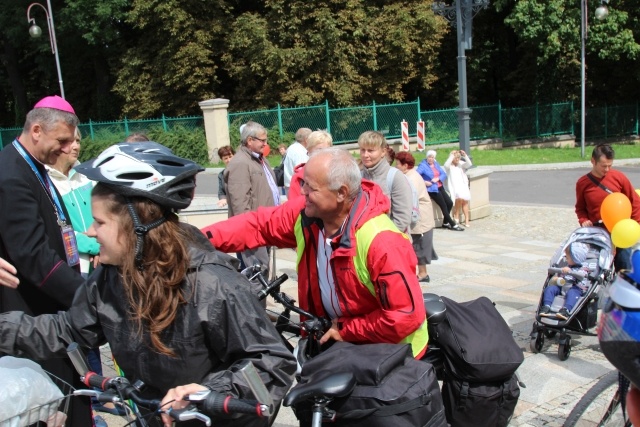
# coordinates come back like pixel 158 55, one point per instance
pixel 56 103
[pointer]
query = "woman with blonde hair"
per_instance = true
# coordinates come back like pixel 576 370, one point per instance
pixel 317 140
pixel 375 167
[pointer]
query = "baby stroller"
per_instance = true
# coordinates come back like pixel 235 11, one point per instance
pixel 596 273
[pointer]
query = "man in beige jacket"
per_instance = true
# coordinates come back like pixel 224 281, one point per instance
pixel 250 183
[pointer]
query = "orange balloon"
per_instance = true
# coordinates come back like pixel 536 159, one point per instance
pixel 615 207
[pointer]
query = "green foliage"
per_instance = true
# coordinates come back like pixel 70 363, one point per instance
pixel 302 53
pixel 187 143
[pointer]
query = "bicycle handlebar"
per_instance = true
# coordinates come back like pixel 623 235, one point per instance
pixel 119 389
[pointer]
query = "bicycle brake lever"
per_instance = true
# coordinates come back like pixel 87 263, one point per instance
pixel 187 414
pixel 101 396
pixel 197 396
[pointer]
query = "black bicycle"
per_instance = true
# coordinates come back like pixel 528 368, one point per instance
pixel 309 330
pixel 602 405
pixel 119 390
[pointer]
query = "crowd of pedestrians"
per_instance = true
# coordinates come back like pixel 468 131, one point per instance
pixel 428 183
pixel 95 252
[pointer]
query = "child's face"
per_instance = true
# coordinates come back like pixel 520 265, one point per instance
pixel 567 255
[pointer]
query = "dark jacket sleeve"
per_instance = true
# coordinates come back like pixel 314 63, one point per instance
pixel 221 192
pixel 48 335
pixel 28 246
pixel 235 317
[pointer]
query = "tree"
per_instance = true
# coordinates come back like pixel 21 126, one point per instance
pixel 349 52
pixel 549 32
pixel 173 62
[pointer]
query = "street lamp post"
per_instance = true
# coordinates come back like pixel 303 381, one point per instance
pixel 460 15
pixel 601 13
pixel 36 31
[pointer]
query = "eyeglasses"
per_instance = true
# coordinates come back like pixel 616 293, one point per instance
pixel 264 141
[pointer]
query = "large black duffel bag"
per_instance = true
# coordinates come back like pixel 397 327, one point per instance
pixel 477 342
pixel 392 388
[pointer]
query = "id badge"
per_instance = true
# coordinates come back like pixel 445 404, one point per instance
pixel 70 245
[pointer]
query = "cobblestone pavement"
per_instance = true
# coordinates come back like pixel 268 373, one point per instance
pixel 505 257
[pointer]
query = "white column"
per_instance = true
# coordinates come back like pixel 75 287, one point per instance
pixel 216 125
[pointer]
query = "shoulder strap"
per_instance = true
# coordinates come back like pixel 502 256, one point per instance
pixel 598 183
pixel 390 175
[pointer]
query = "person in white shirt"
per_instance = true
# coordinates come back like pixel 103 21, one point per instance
pixel 296 154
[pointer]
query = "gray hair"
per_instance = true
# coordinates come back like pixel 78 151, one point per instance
pixel 431 153
pixel 343 170
pixel 48 117
pixel 302 134
pixel 251 130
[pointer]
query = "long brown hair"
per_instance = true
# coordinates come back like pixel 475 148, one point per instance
pixel 155 292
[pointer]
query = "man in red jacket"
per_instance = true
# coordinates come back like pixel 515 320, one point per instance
pixel 354 266
pixel 594 187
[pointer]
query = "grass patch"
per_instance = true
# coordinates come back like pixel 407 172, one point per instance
pixel 543 155
pixel 520 156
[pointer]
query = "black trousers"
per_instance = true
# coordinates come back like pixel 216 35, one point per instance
pixel 445 204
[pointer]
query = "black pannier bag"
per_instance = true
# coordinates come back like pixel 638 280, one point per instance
pixel 392 388
pixel 477 343
pixel 488 404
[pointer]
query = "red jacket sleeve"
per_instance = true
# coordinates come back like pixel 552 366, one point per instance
pixel 391 263
pixel 581 202
pixel 272 226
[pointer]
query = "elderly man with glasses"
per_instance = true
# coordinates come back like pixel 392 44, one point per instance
pixel 250 183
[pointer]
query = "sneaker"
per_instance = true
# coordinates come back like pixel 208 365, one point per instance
pixel 563 314
pixel 457 228
pixel 424 279
pixel 545 310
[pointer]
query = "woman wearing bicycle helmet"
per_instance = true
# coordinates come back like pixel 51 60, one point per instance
pixel 619 330
pixel 175 312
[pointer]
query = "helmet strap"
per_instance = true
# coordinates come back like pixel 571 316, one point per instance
pixel 141 231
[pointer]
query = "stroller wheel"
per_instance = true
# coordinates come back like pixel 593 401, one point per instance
pixel 537 342
pixel 550 333
pixel 564 349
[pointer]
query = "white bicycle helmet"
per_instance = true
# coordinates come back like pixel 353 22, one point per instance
pixel 149 170
pixel 619 328
pixel 145 169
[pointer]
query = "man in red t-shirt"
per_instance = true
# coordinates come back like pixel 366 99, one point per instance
pixel 594 187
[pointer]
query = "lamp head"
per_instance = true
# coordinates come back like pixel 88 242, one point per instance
pixel 602 12
pixel 35 31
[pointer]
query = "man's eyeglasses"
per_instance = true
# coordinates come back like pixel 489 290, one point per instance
pixel 264 141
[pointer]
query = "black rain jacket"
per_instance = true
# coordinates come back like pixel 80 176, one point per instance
pixel 221 325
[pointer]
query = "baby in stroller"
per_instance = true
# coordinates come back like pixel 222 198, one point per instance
pixel 574 273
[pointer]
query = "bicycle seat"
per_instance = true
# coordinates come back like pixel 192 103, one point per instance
pixel 326 385
pixel 434 307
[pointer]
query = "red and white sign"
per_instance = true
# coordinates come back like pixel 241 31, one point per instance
pixel 420 135
pixel 405 135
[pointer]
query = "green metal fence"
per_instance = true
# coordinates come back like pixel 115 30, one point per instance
pixel 344 124
pixel 441 126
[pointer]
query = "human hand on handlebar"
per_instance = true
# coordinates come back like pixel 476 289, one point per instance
pixel 332 334
pixel 174 399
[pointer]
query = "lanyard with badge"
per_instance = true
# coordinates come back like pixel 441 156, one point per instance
pixel 68 235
